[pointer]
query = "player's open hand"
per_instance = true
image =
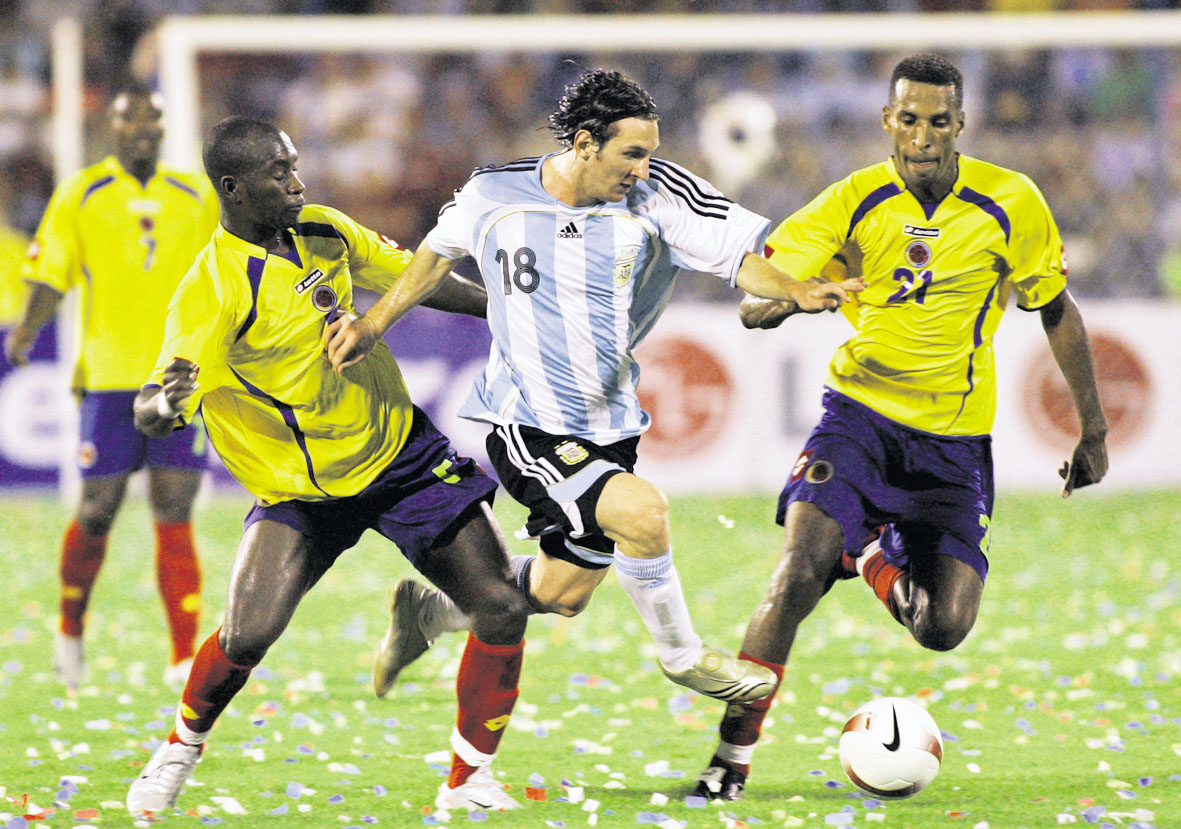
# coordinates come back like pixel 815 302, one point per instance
pixel 1086 466
pixel 347 339
pixel 817 295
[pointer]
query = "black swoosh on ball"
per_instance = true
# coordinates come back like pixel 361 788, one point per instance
pixel 895 743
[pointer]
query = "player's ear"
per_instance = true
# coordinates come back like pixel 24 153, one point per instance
pixel 886 117
pixel 960 128
pixel 584 144
pixel 227 185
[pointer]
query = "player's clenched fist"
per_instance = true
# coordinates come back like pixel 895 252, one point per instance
pixel 347 340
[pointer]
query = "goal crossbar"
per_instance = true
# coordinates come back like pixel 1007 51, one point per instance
pixel 183 39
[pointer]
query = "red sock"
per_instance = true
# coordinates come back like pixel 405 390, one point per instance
pixel 742 723
pixel 881 575
pixel 213 682
pixel 82 556
pixel 487 691
pixel 178 574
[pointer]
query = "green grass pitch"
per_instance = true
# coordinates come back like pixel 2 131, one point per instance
pixel 1063 706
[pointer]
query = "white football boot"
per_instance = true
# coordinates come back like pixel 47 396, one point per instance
pixel 69 660
pixel 163 777
pixel 481 792
pixel 723 676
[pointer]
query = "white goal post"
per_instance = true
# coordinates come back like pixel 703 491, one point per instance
pixel 183 39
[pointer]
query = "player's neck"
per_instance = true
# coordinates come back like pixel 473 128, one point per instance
pixel 141 168
pixel 559 178
pixel 271 239
pixel 930 192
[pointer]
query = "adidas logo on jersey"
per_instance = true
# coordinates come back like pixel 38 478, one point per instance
pixel 570 231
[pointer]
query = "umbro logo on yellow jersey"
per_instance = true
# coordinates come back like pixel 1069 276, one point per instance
pixel 308 281
pixel 921 232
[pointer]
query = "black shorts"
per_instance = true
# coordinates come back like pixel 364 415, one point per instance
pixel 559 478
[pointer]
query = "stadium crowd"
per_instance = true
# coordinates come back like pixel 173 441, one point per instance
pixel 391 136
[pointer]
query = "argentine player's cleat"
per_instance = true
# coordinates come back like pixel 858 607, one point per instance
pixel 69 661
pixel 481 792
pixel 720 783
pixel 163 777
pixel 719 675
pixel 404 641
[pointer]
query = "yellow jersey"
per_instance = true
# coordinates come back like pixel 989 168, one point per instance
pixel 125 246
pixel 938 278
pixel 14 246
pixel 284 423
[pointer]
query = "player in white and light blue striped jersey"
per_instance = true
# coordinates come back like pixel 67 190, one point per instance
pixel 573 290
pixel 579 250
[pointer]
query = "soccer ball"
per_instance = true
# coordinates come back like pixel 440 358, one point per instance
pixel 891 748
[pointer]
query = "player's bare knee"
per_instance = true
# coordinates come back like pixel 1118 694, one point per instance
pixel 95 524
pixel 643 523
pixel 564 601
pixel 500 613
pixel 172 510
pixel 96 516
pixel 941 632
pixel 244 648
pixel 569 604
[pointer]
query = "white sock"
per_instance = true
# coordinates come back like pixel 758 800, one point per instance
pixel 870 550
pixel 655 590
pixel 441 615
pixel 735 754
pixel 187 735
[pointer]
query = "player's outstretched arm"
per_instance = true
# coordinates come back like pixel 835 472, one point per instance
pixel 457 295
pixel 348 339
pixel 760 278
pixel 42 304
pixel 156 409
pixel 757 312
pixel 1067 335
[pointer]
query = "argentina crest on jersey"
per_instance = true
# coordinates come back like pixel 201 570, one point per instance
pixel 625 264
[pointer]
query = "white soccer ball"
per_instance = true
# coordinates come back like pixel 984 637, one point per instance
pixel 891 748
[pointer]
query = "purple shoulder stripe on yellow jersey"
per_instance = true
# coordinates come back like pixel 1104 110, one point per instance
pixel 886 191
pixel 988 206
pixel 254 274
pixel 288 415
pixel 95 186
pixel 184 188
pixel 323 229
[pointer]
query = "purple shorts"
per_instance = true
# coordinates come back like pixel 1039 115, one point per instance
pixel 934 493
pixel 415 502
pixel 109 443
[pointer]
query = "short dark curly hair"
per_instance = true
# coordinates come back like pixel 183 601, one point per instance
pixel 931 68
pixel 595 102
pixel 231 147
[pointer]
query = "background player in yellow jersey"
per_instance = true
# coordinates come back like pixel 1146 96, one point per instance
pixel 327 454
pixel 945 241
pixel 123 232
